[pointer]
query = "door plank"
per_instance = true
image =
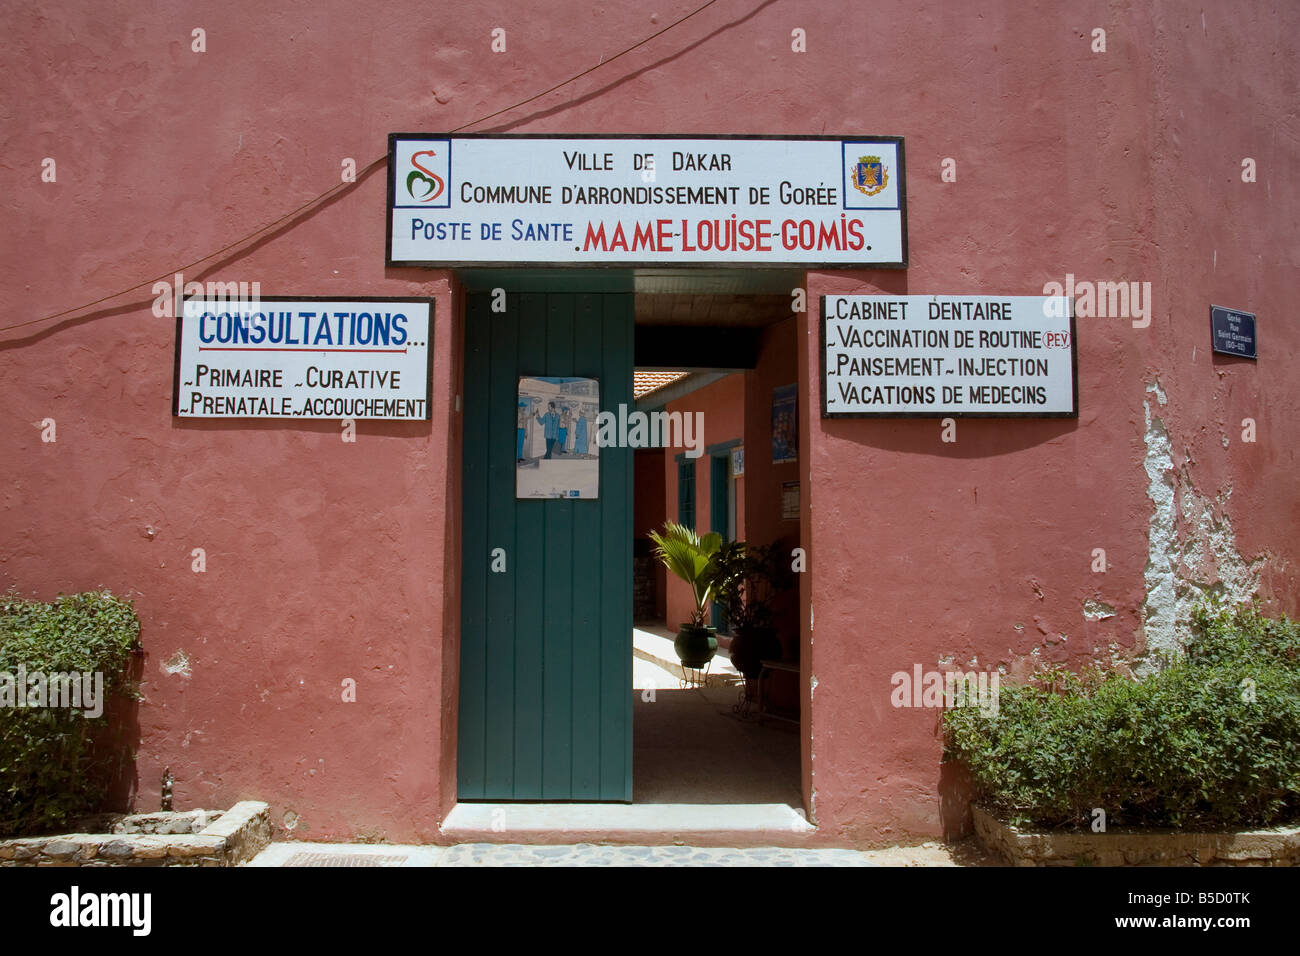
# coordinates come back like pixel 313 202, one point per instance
pixel 546 646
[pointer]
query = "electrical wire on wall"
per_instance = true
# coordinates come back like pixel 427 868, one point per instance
pixel 361 174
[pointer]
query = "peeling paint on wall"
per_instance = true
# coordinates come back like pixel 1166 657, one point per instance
pixel 178 663
pixel 1097 610
pixel 1192 551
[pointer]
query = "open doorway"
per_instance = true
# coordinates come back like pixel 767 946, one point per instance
pixel 548 653
pixel 735 361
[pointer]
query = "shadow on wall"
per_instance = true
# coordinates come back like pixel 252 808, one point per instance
pixel 975 437
pixel 956 790
pixel 785 607
pixel 394 428
pixel 120 740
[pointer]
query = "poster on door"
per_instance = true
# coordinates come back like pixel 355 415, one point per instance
pixel 556 455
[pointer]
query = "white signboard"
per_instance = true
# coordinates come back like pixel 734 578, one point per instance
pixel 948 355
pixel 505 200
pixel 303 358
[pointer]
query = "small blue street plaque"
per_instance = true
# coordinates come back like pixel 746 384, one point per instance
pixel 1232 332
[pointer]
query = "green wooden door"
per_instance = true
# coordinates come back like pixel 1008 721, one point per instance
pixel 546 644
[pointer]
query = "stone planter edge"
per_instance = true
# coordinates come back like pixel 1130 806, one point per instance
pixel 1275 846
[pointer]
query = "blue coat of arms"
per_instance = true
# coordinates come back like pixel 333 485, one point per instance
pixel 870 175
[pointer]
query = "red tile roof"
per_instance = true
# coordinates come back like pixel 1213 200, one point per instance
pixel 645 382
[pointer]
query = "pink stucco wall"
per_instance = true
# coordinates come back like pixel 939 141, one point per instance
pixel 722 407
pixel 1117 166
pixel 328 560
pixel 648 510
pixel 765 523
pixel 777 366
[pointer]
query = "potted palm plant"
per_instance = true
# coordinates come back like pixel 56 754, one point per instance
pixel 690 556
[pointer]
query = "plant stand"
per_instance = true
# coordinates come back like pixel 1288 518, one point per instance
pixel 768 668
pixel 746 699
pixel 694 677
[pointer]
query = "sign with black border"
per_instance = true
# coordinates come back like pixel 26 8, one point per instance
pixel 948 356
pixel 1233 332
pixel 285 357
pixel 616 201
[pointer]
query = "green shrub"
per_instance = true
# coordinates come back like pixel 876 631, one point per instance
pixel 1210 740
pixel 1233 634
pixel 54 761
